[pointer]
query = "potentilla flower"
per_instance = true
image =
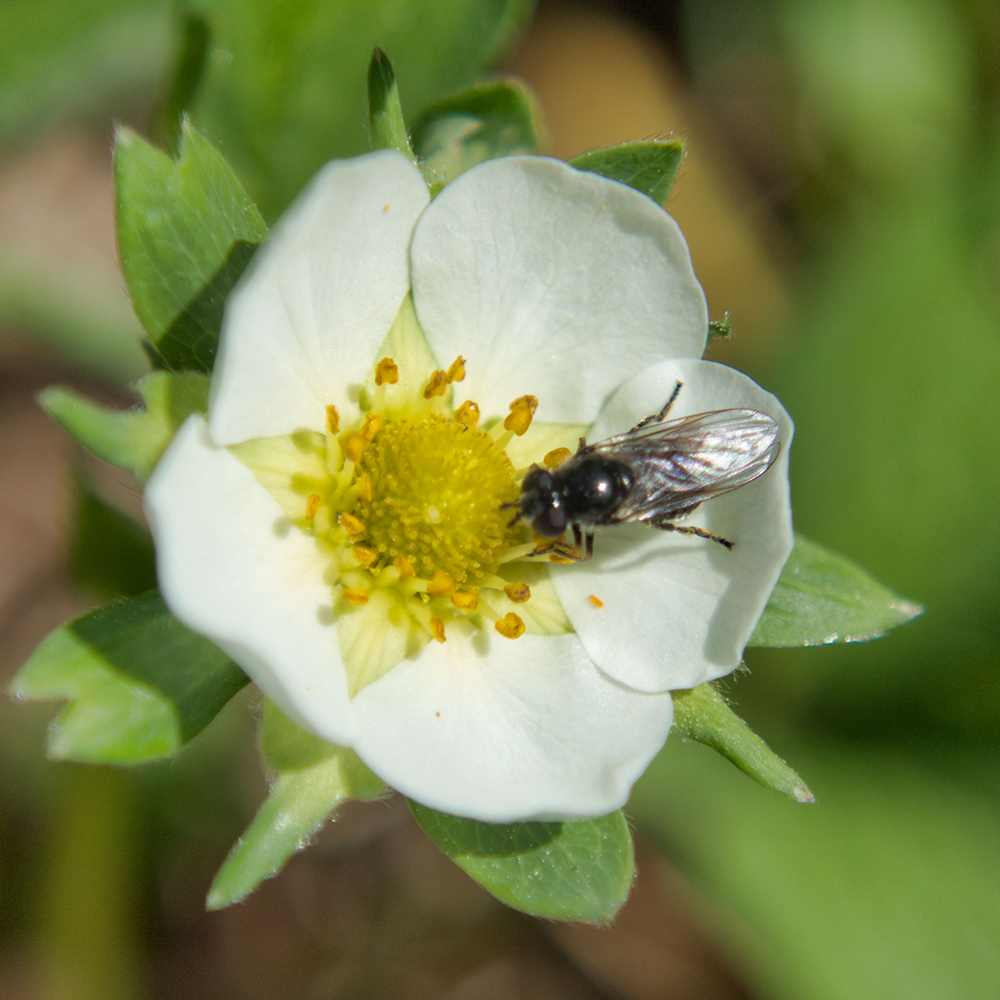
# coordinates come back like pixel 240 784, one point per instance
pixel 389 369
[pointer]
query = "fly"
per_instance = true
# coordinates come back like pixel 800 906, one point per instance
pixel 656 473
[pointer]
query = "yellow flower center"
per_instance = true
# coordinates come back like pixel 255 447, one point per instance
pixel 437 492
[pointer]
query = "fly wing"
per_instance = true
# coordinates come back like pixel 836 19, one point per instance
pixel 679 464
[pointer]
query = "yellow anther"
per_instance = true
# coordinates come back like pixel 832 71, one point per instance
pixel 386 371
pixel 467 414
pixel 437 629
pixel 596 601
pixel 553 459
pixel 353 525
pixel 510 626
pixel 457 370
pixel 561 559
pixel 313 503
pixel 332 420
pixel 521 411
pixel 404 567
pixel 365 486
pixel 365 554
pixel 518 592
pixel 437 385
pixel 441 584
pixel 465 600
pixel 373 424
pixel 354 447
pixel 354 596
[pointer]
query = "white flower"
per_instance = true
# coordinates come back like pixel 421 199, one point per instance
pixel 328 524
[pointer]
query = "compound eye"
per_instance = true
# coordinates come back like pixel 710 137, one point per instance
pixel 538 479
pixel 551 522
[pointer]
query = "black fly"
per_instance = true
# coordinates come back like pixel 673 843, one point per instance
pixel 655 473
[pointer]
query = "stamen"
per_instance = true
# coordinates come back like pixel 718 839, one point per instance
pixel 467 414
pixel 386 371
pixel 404 567
pixel 553 459
pixel 437 386
pixel 441 584
pixel 353 525
pixel 373 424
pixel 518 592
pixel 365 554
pixel 365 486
pixel 354 596
pixel 510 626
pixel 313 503
pixel 465 600
pixel 332 420
pixel 354 446
pixel 521 411
pixel 437 629
pixel 456 373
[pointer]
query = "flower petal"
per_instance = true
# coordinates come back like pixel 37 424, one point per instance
pixel 552 281
pixel 502 731
pixel 232 568
pixel 306 320
pixel 678 610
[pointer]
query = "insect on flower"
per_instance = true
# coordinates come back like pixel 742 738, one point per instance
pixel 656 473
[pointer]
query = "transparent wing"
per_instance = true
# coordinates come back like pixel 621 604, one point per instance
pixel 679 464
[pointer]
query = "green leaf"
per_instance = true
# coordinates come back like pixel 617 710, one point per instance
pixel 189 69
pixel 702 714
pixel 133 439
pixel 499 118
pixel 310 779
pixel 140 684
pixel 110 554
pixel 649 167
pixel 186 232
pixel 385 113
pixel 822 597
pixel 579 870
pixel 286 91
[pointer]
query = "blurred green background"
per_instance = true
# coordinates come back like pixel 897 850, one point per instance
pixel 842 200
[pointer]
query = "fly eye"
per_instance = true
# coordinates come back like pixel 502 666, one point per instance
pixel 550 523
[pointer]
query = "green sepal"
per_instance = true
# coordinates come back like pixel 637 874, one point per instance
pixel 309 779
pixel 131 439
pixel 649 167
pixel 385 113
pixel 580 870
pixel 190 60
pixel 821 598
pixel 701 714
pixel 498 118
pixel 720 329
pixel 186 232
pixel 110 554
pixel 139 684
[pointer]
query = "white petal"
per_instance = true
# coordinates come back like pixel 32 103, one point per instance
pixel 552 281
pixel 678 610
pixel 303 326
pixel 504 730
pixel 233 568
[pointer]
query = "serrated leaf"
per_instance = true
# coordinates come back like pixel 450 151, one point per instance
pixel 385 113
pixel 186 232
pixel 821 597
pixel 649 167
pixel 499 118
pixel 140 684
pixel 579 870
pixel 110 554
pixel 701 714
pixel 309 780
pixel 131 439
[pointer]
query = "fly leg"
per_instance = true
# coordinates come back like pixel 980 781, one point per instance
pixel 658 417
pixel 561 551
pixel 689 530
